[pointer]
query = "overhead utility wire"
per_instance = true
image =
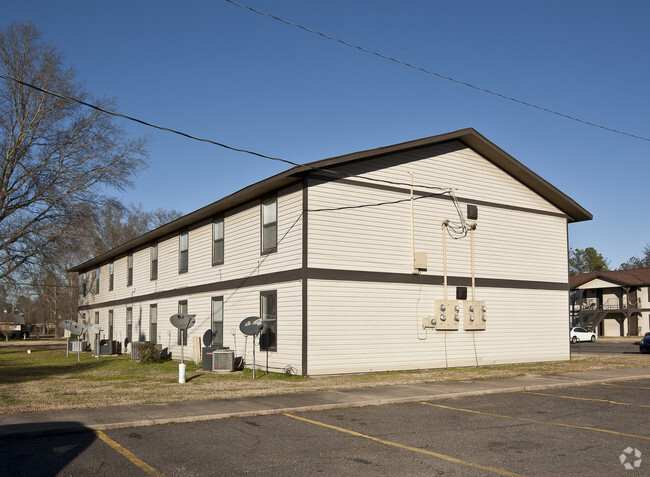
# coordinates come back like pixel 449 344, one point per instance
pixel 439 75
pixel 210 141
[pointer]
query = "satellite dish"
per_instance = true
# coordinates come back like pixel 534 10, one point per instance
pixel 207 338
pixel 77 329
pixel 251 326
pixel 182 322
pixel 96 329
pixel 65 324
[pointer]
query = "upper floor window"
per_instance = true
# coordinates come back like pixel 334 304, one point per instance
pixel 129 270
pixel 111 275
pixel 183 249
pixel 97 280
pixel 269 225
pixel 154 261
pixel 84 283
pixel 217 242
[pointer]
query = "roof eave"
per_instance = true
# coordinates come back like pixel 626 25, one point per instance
pixel 468 136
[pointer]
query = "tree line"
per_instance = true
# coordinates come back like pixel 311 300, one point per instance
pixel 59 164
pixel 590 260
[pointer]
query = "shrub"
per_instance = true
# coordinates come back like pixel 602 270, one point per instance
pixel 149 352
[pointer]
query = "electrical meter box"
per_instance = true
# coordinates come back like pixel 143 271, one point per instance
pixel 474 315
pixel 447 314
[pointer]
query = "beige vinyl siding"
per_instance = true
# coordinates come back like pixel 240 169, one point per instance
pixel 350 333
pixel 611 327
pixel 238 304
pixel 362 326
pixel 596 283
pixel 510 244
pixel 242 253
pixel 472 175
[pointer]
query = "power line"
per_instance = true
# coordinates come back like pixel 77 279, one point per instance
pixel 439 75
pixel 145 123
pixel 210 141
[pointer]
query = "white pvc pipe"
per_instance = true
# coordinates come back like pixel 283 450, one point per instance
pixel 412 227
pixel 181 373
pixel 471 241
pixel 444 257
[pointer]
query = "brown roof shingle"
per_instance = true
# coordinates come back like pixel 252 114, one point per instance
pixel 637 277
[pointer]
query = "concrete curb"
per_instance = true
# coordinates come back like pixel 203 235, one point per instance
pixel 22 430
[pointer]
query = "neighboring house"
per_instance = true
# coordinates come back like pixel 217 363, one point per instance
pixel 12 322
pixel 612 303
pixel 347 264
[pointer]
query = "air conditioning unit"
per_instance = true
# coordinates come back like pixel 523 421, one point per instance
pixel 107 347
pixel 223 360
pixel 134 348
pixel 76 346
pixel 206 355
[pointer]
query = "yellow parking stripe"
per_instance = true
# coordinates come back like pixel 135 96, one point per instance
pixel 128 454
pixel 402 446
pixel 587 399
pixel 526 419
pixel 623 386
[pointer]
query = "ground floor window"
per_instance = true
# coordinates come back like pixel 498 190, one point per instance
pixel 153 323
pixel 182 334
pixel 268 313
pixel 217 321
pixel 129 324
pixel 110 324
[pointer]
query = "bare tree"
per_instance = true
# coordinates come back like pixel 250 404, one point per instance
pixel 96 229
pixel 110 224
pixel 56 155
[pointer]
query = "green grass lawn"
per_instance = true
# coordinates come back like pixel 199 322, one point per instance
pixel 47 379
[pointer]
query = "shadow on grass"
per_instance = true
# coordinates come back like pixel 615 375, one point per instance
pixel 17 366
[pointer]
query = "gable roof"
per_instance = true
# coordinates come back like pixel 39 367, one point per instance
pixel 637 277
pixel 470 137
pixel 11 319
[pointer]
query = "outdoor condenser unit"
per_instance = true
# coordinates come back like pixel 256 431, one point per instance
pixel 206 361
pixel 223 360
pixel 107 347
pixel 134 348
pixel 76 346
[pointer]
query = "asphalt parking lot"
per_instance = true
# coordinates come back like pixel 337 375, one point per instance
pixel 606 346
pixel 580 430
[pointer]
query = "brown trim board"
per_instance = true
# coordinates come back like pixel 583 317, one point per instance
pixel 307 273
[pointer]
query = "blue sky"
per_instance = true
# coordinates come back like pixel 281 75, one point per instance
pixel 218 71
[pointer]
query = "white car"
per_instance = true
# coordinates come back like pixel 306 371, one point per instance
pixel 580 334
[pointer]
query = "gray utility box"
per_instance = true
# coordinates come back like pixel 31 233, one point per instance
pixel 223 360
pixel 76 346
pixel 107 347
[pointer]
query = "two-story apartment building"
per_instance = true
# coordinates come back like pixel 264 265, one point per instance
pixel 375 260
pixel 612 303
